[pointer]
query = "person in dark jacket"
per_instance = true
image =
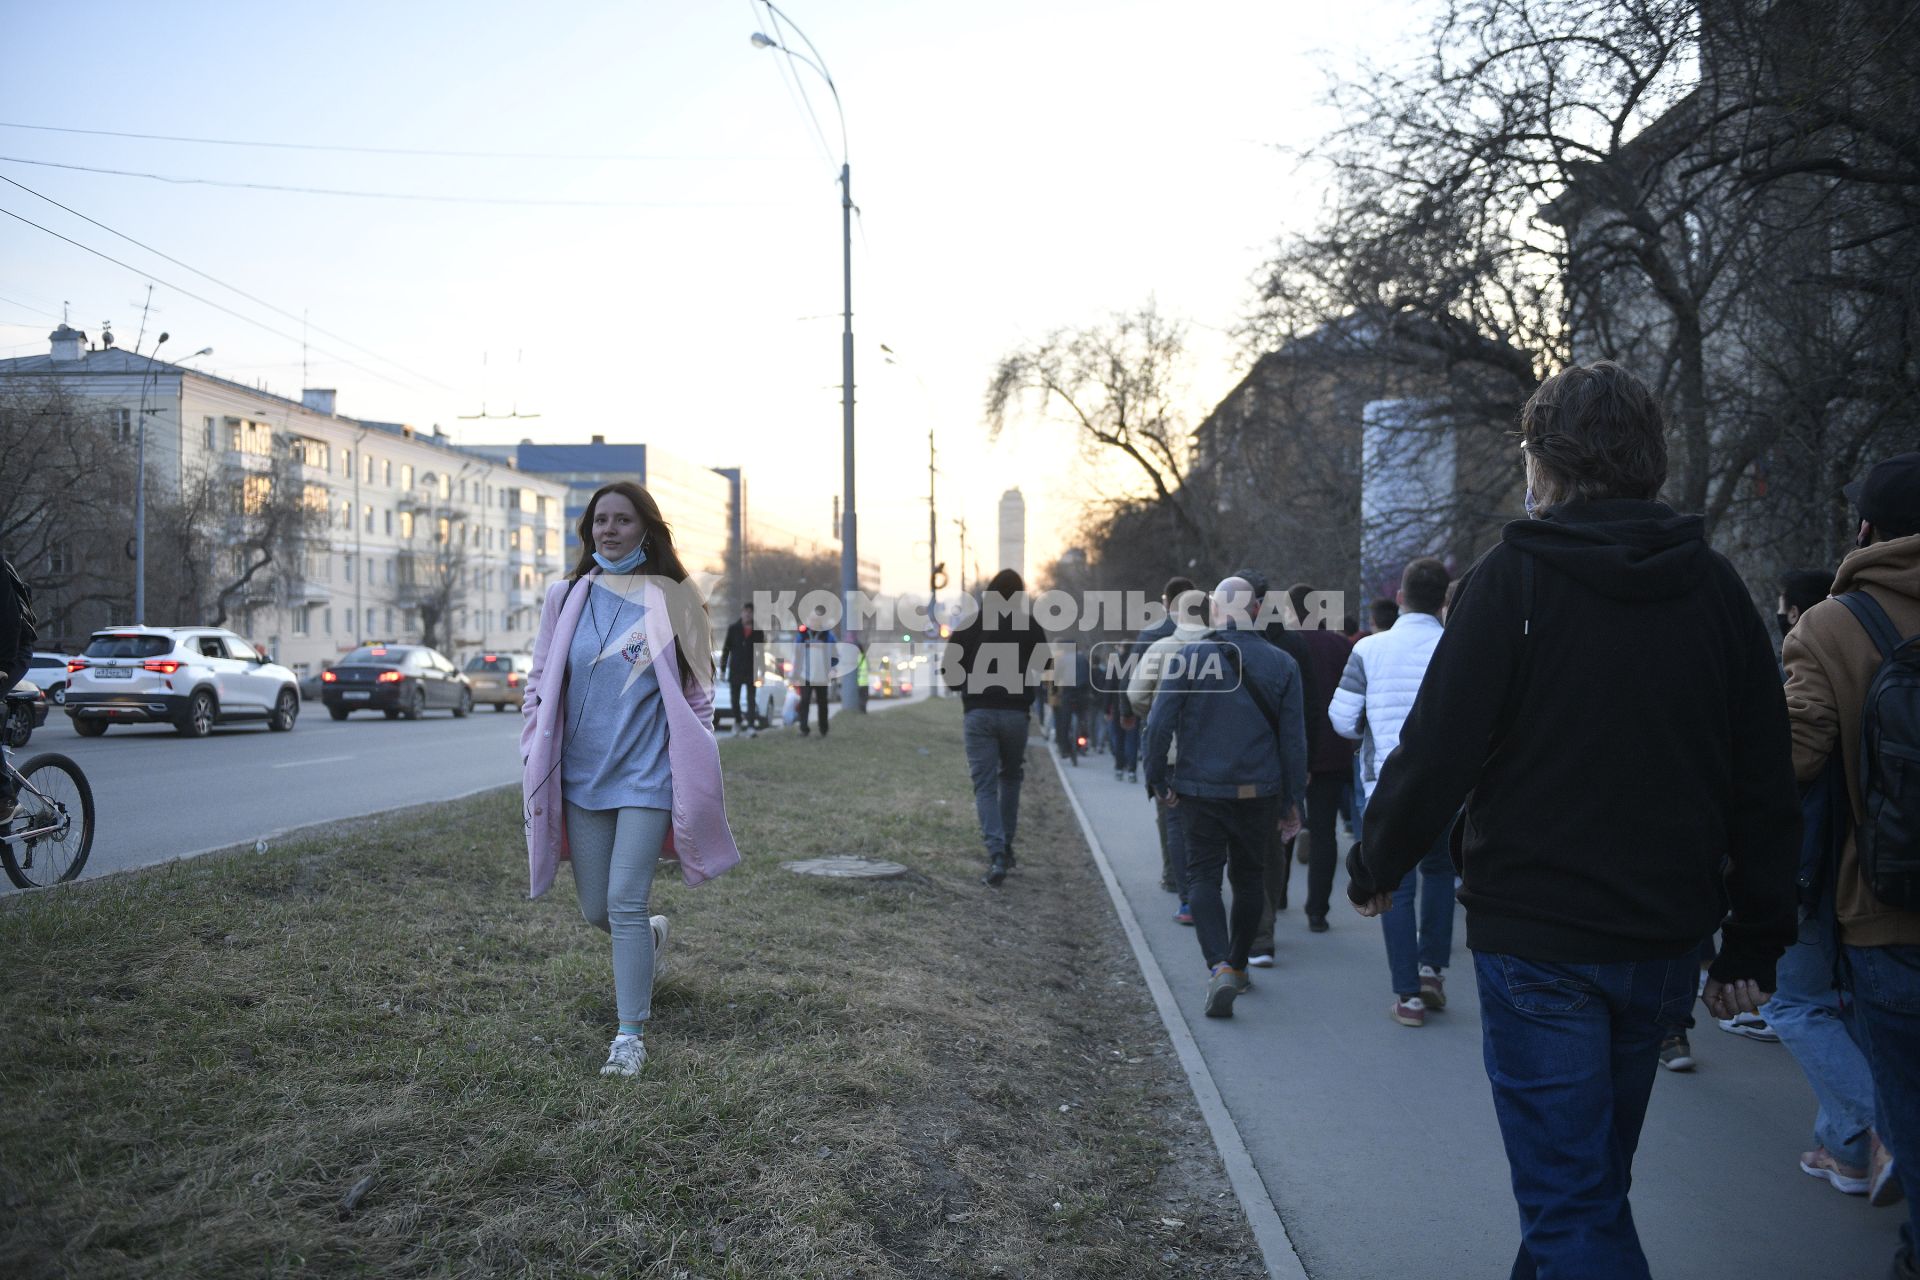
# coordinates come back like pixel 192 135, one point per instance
pixel 1605 704
pixel 1278 859
pixel 1329 756
pixel 1234 704
pixel 739 662
pixel 991 662
pixel 1176 587
pixel 17 634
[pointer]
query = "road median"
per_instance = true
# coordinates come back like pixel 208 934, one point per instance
pixel 364 1052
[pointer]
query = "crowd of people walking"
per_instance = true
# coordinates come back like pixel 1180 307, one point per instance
pixel 1590 742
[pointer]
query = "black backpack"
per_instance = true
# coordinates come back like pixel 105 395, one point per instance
pixel 1889 837
pixel 16 663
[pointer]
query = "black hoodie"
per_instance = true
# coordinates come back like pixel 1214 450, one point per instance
pixel 1606 705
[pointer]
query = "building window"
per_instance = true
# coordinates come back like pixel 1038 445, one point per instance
pixel 59 562
pixel 328 617
pixel 347 562
pixel 389 615
pixel 121 423
pixel 406 475
pixel 346 463
pixel 406 525
pixel 389 583
pixel 349 613
pixel 369 517
pixel 366 469
pixel 387 472
pixel 211 434
pixel 300 621
pixel 389 521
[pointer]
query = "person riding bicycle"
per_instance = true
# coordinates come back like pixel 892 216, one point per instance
pixel 17 634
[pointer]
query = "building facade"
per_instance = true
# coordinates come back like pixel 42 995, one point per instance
pixel 412 523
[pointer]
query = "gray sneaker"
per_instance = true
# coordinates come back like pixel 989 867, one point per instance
pixel 658 924
pixel 626 1057
pixel 1221 990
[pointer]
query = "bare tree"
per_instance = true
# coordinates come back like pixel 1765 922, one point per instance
pixel 1118 384
pixel 434 581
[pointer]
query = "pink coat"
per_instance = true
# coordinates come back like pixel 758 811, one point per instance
pixel 699 837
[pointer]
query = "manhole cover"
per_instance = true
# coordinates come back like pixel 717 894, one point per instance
pixel 847 867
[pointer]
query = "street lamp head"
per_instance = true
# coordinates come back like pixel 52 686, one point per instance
pixel 761 40
pixel 204 351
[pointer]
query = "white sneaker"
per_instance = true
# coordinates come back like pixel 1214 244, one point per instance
pixel 659 926
pixel 626 1057
pixel 1262 961
pixel 754 732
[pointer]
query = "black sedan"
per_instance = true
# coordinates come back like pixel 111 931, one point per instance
pixel 26 711
pixel 397 680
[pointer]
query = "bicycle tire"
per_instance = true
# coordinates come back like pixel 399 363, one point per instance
pixel 24 862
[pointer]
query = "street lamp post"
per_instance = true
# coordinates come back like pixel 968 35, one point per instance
pixel 849 524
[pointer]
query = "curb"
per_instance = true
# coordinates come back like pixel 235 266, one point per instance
pixel 1276 1249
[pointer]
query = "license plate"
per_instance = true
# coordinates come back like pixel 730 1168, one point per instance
pixel 361 696
pixel 114 673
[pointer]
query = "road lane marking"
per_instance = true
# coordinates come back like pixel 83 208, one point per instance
pixel 322 760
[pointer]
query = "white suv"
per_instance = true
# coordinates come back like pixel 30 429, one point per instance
pixel 190 677
pixel 49 671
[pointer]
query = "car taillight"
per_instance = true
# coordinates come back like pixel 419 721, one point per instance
pixel 391 677
pixel 76 664
pixel 161 666
pixel 513 680
pixel 327 677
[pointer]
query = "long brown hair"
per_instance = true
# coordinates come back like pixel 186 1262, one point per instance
pixel 687 607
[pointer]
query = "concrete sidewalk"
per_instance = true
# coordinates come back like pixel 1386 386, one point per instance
pixel 1378 1145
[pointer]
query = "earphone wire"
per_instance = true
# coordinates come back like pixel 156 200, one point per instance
pixel 593 607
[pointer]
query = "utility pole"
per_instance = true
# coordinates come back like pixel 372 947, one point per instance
pixel 961 521
pixel 933 543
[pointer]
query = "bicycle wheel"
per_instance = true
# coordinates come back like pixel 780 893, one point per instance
pixel 53 834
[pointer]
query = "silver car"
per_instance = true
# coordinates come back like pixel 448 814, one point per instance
pixel 499 678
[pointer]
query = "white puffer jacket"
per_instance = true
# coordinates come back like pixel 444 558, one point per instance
pixel 1378 688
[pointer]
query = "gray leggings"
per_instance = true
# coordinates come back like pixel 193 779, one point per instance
pixel 614 851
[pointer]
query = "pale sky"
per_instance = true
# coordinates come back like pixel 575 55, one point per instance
pixel 1019 166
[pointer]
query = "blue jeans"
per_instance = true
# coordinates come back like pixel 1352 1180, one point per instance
pixel 1229 834
pixel 1817 1028
pixel 1571 1052
pixel 1886 1013
pixel 1428 939
pixel 1126 744
pixel 1359 800
pixel 997 762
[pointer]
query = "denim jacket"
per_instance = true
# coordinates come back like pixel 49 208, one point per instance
pixel 1229 747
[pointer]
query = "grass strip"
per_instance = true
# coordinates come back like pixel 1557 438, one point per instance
pixel 363 1052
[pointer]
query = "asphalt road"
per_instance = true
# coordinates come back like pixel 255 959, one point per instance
pixel 158 795
pixel 1378 1144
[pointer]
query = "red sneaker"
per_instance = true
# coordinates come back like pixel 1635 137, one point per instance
pixel 1409 1011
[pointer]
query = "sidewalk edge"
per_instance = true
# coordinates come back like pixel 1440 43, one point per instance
pixel 1276 1247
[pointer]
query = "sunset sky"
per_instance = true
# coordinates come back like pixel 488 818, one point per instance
pixel 1019 166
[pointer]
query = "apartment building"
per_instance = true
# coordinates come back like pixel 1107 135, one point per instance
pixel 413 523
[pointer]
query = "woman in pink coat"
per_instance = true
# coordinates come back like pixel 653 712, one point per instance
pixel 622 767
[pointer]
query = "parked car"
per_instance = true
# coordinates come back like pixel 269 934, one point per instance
pixel 499 678
pixel 49 671
pixel 398 680
pixel 769 696
pixel 189 677
pixel 26 711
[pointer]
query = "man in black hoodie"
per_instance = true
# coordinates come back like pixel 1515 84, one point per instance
pixel 990 659
pixel 1606 706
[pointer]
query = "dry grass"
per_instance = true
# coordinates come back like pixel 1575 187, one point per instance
pixel 914 1078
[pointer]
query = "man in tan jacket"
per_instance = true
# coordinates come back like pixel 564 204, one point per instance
pixel 1830 662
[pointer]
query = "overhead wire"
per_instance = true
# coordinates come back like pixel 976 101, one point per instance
pixel 208 302
pixel 429 197
pixel 321 146
pixel 222 283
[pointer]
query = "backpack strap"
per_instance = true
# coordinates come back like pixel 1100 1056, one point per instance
pixel 1873 620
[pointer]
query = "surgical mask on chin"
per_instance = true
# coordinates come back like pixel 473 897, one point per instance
pixel 626 564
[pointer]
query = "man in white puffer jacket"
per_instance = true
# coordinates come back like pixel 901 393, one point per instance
pixel 1376 692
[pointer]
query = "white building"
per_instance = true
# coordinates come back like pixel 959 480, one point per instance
pixel 393 495
pixel 1013 533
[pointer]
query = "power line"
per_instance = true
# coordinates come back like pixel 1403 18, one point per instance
pixel 222 283
pixel 381 195
pixel 321 146
pixel 203 301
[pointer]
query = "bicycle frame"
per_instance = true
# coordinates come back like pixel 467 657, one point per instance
pixel 23 787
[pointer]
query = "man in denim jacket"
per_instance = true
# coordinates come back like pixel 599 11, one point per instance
pixel 1235 703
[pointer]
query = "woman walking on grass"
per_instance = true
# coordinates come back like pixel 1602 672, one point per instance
pixel 622 767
